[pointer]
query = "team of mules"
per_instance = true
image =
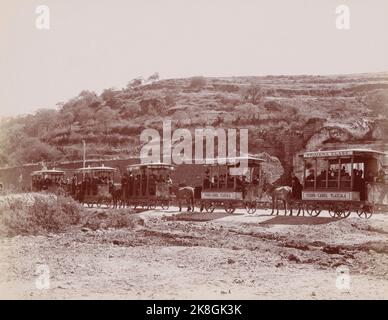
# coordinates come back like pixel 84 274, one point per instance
pixel 184 195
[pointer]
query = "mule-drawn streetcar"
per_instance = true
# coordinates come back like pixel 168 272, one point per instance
pixel 96 185
pixel 50 180
pixel 147 185
pixel 222 187
pixel 344 181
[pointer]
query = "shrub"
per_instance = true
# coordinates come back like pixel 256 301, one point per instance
pixel 37 214
pixel 197 82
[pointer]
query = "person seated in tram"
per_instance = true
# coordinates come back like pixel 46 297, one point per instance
pixel 143 184
pixel 136 185
pixel 131 178
pixel 206 181
pixel 151 185
pixel 230 181
pixel 381 176
pixel 256 180
pixel 168 180
pixel 310 176
pixel 321 179
pixel 222 181
pixel 215 181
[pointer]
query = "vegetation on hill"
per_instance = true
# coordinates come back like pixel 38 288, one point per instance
pixel 284 115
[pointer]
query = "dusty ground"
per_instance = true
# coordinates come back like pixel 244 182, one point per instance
pixel 204 256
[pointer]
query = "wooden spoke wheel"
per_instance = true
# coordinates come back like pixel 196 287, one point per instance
pixel 229 208
pixel 332 211
pixel 209 206
pixel 364 212
pixel 313 210
pixel 250 207
pixel 345 212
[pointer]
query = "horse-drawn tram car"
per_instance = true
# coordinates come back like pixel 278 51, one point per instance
pixel 147 185
pixel 96 185
pixel 344 181
pixel 224 188
pixel 49 180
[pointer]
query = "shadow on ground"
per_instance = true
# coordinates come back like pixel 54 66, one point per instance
pixel 294 220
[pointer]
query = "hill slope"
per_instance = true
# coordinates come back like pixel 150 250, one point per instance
pixel 284 115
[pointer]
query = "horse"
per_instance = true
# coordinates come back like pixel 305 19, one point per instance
pixel 184 193
pixel 282 193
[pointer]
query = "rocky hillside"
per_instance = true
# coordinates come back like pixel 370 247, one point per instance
pixel 284 115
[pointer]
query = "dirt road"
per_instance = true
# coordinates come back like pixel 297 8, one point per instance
pixel 204 256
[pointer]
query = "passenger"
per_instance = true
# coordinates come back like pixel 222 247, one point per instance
pixel 310 176
pixel 206 182
pixel 296 187
pixel 381 176
pixel 152 185
pixel 321 179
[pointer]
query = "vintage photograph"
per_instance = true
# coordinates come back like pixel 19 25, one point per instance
pixel 183 150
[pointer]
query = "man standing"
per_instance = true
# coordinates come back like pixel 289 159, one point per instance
pixel 296 187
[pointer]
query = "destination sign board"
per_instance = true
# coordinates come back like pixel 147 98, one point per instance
pixel 331 195
pixel 333 153
pixel 222 195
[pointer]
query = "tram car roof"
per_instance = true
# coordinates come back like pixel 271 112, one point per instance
pixel 152 166
pixel 98 168
pixel 48 171
pixel 344 153
pixel 232 161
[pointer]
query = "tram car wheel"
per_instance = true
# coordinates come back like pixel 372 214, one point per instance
pixel 250 207
pixel 313 210
pixel 229 208
pixel 209 207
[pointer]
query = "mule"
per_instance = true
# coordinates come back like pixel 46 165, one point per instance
pixel 184 194
pixel 282 193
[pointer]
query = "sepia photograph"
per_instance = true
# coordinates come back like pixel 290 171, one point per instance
pixel 207 150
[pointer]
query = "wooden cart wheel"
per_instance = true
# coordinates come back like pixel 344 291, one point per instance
pixel 364 213
pixel 209 207
pixel 229 208
pixel 313 210
pixel 332 211
pixel 250 207
pixel 345 212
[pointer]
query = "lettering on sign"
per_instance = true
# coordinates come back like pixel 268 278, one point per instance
pixel 329 195
pixel 319 154
pixel 222 195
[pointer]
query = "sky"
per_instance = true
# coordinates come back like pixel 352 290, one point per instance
pixel 98 44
